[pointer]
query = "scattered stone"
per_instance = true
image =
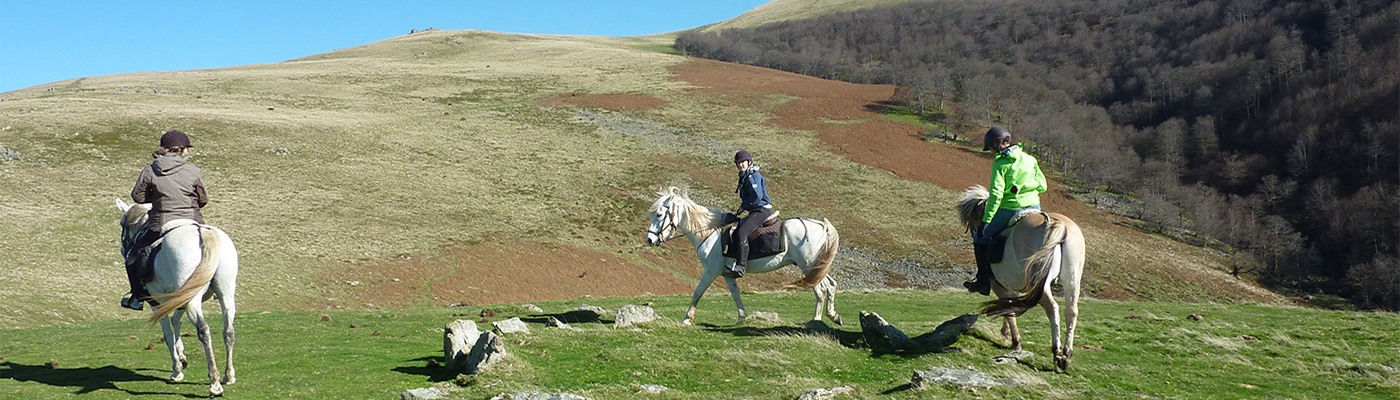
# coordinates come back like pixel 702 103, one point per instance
pixel 1247 338
pixel 956 377
pixel 825 394
pixel 427 393
pixel 513 325
pixel 632 314
pixel 470 350
pixel 766 317
pixel 325 318
pixel 51 364
pixel 653 389
pixel 376 333
pixel 598 310
pixel 352 326
pixel 1090 347
pixel 946 333
pixel 538 396
pixel 487 313
pixel 881 336
pixel 131 338
pixel 556 323
pixel 1195 317
pixel 534 309
pixel 1134 317
pixel 1012 357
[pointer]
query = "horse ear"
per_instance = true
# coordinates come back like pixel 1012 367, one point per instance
pixel 121 205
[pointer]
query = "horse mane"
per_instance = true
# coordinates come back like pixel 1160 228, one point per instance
pixel 700 220
pixel 971 206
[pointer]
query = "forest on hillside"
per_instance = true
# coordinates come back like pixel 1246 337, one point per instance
pixel 1267 128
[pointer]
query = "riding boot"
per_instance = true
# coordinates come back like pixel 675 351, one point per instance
pixel 135 267
pixel 740 263
pixel 983 282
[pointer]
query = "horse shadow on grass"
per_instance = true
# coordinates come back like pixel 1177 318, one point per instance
pixel 878 342
pixel 570 317
pixel 85 379
pixel 432 369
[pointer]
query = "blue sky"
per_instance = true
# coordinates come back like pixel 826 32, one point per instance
pixel 43 41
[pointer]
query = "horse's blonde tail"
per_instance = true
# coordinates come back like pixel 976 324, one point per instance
pixel 203 274
pixel 825 257
pixel 1041 261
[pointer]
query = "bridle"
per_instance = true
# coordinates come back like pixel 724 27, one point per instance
pixel 667 225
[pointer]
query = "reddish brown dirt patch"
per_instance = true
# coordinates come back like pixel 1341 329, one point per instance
pixel 611 101
pixel 505 273
pixel 878 142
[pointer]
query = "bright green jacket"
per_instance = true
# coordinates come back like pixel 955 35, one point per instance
pixel 1013 168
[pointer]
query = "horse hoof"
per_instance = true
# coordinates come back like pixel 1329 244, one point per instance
pixel 177 377
pixel 1061 364
pixel 685 322
pixel 837 320
pixel 216 390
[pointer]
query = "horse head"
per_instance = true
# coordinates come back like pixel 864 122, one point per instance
pixel 134 218
pixel 665 218
pixel 971 206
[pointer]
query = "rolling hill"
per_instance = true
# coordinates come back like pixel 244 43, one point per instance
pixel 472 167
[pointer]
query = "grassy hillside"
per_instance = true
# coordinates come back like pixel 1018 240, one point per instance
pixel 1128 350
pixel 422 165
pixel 785 10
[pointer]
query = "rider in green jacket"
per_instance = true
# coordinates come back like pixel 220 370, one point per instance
pixel 1016 186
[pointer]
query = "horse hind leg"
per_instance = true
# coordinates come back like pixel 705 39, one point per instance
pixel 1052 312
pixel 201 325
pixel 1010 330
pixel 826 294
pixel 228 310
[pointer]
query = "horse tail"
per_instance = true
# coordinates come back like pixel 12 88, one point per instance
pixel 1041 262
pixel 825 257
pixel 203 274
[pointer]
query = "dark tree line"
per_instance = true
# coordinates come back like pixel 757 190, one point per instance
pixel 1267 125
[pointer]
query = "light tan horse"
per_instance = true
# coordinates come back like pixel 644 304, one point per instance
pixel 1038 251
pixel 811 247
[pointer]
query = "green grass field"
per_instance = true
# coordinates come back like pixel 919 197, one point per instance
pixel 1128 350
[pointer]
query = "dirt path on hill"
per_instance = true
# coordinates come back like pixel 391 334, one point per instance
pixel 878 142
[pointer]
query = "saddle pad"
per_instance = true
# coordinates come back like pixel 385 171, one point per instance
pixel 763 242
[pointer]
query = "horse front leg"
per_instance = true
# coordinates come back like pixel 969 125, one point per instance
pixel 734 292
pixel 706 278
pixel 170 327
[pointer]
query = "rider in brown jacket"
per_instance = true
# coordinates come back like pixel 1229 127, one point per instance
pixel 175 189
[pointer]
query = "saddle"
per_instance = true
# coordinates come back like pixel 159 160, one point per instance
pixel 765 241
pixel 996 250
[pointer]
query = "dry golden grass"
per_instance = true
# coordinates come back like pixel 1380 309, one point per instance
pixel 784 10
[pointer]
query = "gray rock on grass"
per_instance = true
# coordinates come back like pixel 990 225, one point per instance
pixel 469 350
pixel 632 314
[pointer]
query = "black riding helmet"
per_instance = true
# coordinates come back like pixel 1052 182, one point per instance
pixel 174 139
pixel 994 135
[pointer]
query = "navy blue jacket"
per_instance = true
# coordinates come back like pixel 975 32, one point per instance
pixel 753 192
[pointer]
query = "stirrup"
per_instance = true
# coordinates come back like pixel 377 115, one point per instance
pixel 131 303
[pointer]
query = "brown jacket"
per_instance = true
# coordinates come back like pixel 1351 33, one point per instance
pixel 174 188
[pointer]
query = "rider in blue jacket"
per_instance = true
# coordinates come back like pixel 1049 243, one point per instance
pixel 753 194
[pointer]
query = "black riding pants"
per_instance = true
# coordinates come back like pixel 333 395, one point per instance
pixel 750 223
pixel 138 261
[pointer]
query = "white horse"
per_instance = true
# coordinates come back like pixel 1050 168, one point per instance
pixel 1037 249
pixel 811 246
pixel 193 258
